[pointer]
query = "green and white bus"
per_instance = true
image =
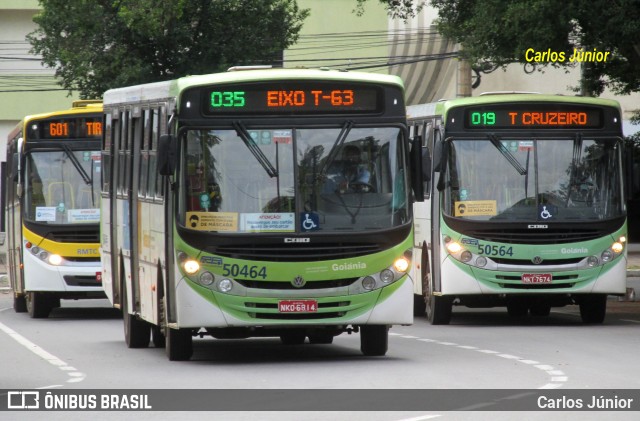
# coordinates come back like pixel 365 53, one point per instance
pixel 223 212
pixel 526 205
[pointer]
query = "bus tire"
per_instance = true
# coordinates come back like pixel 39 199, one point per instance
pixel 38 305
pixel 179 344
pixel 137 332
pixel 19 303
pixel 593 308
pixel 374 340
pixel 157 337
pixel 439 310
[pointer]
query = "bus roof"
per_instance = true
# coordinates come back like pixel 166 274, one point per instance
pixel 78 107
pixel 441 107
pixel 170 89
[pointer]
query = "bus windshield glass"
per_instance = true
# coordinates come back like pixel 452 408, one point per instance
pixel 62 186
pixel 293 180
pixel 525 179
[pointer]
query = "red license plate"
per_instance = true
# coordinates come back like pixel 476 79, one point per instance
pixel 298 306
pixel 536 278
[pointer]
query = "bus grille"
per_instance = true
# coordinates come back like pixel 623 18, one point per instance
pixel 74 236
pixel 295 252
pixel 280 285
pixel 527 236
pixel 270 313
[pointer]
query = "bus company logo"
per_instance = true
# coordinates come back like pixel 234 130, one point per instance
pixel 538 226
pixel 574 250
pixel 536 260
pixel 87 251
pixel 23 400
pixel 298 282
pixel 297 240
pixel 211 260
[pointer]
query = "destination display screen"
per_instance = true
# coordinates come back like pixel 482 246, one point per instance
pixel 66 128
pixel 292 97
pixel 533 116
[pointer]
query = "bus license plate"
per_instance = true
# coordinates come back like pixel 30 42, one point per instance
pixel 297 306
pixel 536 278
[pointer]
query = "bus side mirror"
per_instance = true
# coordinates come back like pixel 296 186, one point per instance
pixel 167 154
pixel 417 176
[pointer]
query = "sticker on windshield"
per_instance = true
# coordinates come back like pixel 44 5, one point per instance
pixel 476 208
pixel 212 221
pixel 271 222
pixel 83 215
pixel 46 214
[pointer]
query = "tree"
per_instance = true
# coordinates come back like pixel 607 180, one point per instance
pixel 495 33
pixel 95 45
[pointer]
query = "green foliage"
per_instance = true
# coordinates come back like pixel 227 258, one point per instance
pixel 95 45
pixel 498 32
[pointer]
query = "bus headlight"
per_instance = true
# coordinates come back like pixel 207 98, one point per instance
pixel 606 256
pixel 191 266
pixel 54 259
pixel 206 278
pixel 386 276
pixel 453 247
pixel 368 283
pixel 401 264
pixel 593 261
pixel 617 247
pixel 225 285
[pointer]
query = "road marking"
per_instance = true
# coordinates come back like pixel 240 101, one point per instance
pixel 420 418
pixel 557 377
pixel 75 376
pixel 630 320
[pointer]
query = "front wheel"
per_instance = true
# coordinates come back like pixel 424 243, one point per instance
pixel 179 344
pixel 438 308
pixel 39 305
pixel 19 303
pixel 374 340
pixel 593 308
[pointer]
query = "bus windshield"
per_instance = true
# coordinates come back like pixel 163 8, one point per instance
pixel 525 179
pixel 298 180
pixel 62 186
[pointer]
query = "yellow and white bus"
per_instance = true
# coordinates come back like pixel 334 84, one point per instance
pixel 52 206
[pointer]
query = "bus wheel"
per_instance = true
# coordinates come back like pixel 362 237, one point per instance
pixel 157 337
pixel 179 344
pixel 38 305
pixel 419 305
pixel 374 340
pixel 136 331
pixel 293 337
pixel 593 308
pixel 19 304
pixel 438 308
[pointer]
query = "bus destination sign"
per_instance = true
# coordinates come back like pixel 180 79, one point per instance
pixel 536 116
pixel 292 97
pixel 66 128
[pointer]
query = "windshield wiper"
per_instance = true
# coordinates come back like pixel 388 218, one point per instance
pixel 495 141
pixel 346 128
pixel 242 131
pixel 87 179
